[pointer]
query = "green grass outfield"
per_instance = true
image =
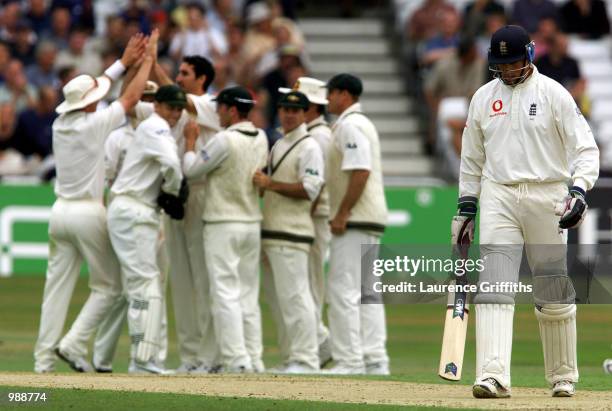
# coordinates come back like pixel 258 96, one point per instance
pixel 414 336
pixel 89 400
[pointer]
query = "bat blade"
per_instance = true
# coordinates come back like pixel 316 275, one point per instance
pixel 453 341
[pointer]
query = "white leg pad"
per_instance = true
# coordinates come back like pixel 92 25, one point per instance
pixel 558 332
pixel 148 343
pixel 494 342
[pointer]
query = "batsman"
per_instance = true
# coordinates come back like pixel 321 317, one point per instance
pixel 524 143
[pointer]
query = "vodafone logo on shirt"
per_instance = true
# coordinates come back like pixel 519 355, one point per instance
pixel 497 107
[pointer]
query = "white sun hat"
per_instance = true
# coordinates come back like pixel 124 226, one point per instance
pixel 150 89
pixel 258 12
pixel 315 90
pixel 83 90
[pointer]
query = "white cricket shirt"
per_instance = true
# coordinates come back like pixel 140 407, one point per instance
pixel 529 133
pixel 151 163
pixel 78 148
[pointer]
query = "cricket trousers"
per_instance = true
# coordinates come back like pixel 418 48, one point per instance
pixel 232 259
pixel 77 232
pixel 109 331
pixel 358 331
pixel 134 230
pixel 512 216
pixel 287 286
pixel 316 271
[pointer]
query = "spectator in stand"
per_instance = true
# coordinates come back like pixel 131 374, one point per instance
pixel 135 11
pixel 11 162
pixel 493 22
pixel 81 12
pixel 60 27
pixel 65 74
pixel 198 38
pixel 289 58
pixel 286 33
pixel 476 13
pixel 43 72
pixel 10 14
pixel 159 21
pixel 23 44
pixel 587 18
pixel 33 135
pixel 425 22
pixel 528 13
pixel 38 16
pixel 560 66
pixel 79 56
pixel 457 75
pixel 545 36
pixel 114 38
pixel 220 15
pixel 238 67
pixel 444 43
pixel 16 90
pixel 5 58
pixel 259 38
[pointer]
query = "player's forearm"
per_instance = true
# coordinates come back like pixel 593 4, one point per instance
pixel 134 90
pixel 293 190
pixel 357 183
pixel 160 75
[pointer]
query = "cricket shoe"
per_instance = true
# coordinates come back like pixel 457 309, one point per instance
pixel 607 366
pixel 78 364
pixel 147 368
pixel 341 369
pixel 378 368
pixel 325 355
pixel 489 388
pixel 296 367
pixel 239 369
pixel 185 369
pixel 103 369
pixel 563 389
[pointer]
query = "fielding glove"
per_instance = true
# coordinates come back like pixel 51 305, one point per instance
pixel 572 209
pixel 173 205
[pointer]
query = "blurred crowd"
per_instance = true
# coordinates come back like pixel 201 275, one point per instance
pixel 46 43
pixel 447 48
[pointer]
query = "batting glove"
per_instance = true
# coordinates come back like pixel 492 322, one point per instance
pixel 462 226
pixel 572 209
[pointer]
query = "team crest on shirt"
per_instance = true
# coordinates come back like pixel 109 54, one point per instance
pixel 351 145
pixel 532 110
pixel 204 155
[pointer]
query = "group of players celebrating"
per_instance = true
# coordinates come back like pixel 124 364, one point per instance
pixel 185 172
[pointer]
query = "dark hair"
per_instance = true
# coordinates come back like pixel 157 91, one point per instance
pixel 201 67
pixel 320 109
pixel 195 5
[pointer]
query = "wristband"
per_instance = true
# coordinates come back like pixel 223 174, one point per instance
pixel 468 206
pixel 115 70
pixel 576 191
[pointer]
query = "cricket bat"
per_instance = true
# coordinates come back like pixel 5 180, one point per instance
pixel 455 324
pixel 455 331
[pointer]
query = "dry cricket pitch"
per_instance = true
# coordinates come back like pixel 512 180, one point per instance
pixel 342 390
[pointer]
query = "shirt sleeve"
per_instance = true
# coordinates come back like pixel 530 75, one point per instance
pixel 311 169
pixel 206 112
pixel 106 120
pixel 198 163
pixel 112 152
pixel 143 110
pixel 579 141
pixel 355 147
pixel 472 155
pixel 161 147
